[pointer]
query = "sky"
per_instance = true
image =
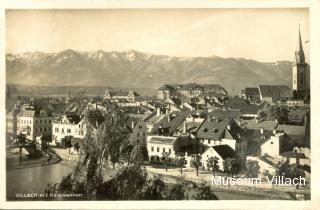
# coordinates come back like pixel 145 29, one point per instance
pixel 265 35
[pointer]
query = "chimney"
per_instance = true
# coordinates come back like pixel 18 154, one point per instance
pixel 261 131
pixel 158 111
pixel 184 127
pixel 228 127
pixel 274 131
pixel 240 122
pixel 132 124
pixel 169 118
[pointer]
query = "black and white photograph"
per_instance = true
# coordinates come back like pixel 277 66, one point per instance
pixel 157 104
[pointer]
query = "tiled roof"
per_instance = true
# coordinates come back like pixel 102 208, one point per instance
pixel 225 151
pixel 252 91
pixel 176 118
pixel 244 106
pixel 275 91
pixel 216 123
pixel 162 140
pixel 73 119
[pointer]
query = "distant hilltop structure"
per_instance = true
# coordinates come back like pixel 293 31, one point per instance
pixel 129 96
pixel 189 90
pixel 300 74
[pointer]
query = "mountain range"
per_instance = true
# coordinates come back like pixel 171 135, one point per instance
pixel 133 69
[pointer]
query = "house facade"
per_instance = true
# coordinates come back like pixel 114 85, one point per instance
pixel 157 145
pixel 68 125
pixel 33 123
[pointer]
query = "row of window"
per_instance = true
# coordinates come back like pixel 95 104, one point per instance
pixel 68 130
pixel 36 121
pixel 43 129
pixel 163 150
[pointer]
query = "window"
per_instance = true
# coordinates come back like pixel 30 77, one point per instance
pixel 137 140
pixel 158 149
pixel 56 129
pixel 40 129
pixel 137 134
pixel 62 130
pixel 208 141
pixel 169 151
pixel 152 149
pixel 36 129
pixel 36 121
pixel 49 129
pixel 68 130
pixel 40 121
pixel 49 121
pixel 45 129
pixel 144 134
pixel 164 150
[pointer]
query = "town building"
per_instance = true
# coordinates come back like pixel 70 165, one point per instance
pixel 35 122
pixel 272 145
pixel 157 145
pixel 221 128
pixel 68 125
pixel 222 152
pixel 300 73
pixel 251 93
pixel 189 90
pixel 137 130
pixel 128 96
pixel 274 93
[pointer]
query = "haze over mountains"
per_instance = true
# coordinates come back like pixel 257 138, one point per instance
pixel 133 69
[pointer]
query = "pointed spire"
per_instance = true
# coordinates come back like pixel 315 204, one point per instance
pixel 300 42
pixel 300 59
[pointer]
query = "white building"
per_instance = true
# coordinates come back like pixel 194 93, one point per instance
pixel 68 125
pixel 220 151
pixel 157 145
pixel 35 123
pixel 271 146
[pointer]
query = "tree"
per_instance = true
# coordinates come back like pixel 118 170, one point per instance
pixel 154 189
pixel 125 150
pixel 136 156
pixel 213 163
pixel 288 170
pixel 252 169
pixel 114 152
pixel 181 161
pixel 125 185
pixel 204 192
pixel 232 165
pixel 196 162
pixel 165 159
pixel 177 192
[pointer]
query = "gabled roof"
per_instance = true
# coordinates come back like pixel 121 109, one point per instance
pixel 275 91
pixel 216 123
pixel 176 118
pixel 224 151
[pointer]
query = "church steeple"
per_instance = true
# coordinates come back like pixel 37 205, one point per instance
pixel 300 59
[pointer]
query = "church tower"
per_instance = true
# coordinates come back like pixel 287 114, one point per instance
pixel 300 73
